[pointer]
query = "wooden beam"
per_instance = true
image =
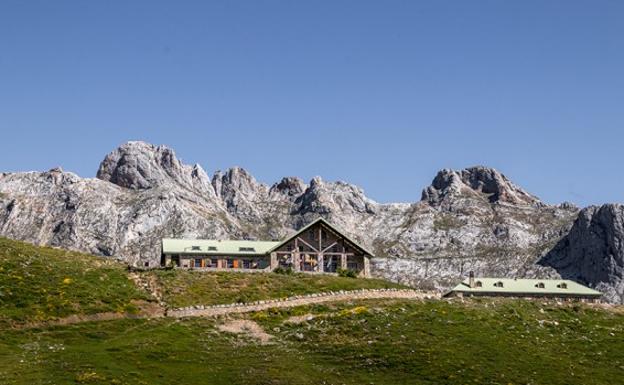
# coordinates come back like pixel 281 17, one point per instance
pixel 295 255
pixel 329 247
pixel 320 237
pixel 309 245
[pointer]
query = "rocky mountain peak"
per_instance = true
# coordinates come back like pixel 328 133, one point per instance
pixel 238 189
pixel 325 198
pixel 290 186
pixel 235 180
pixel 484 181
pixel 138 165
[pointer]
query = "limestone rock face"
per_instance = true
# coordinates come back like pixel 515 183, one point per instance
pixel 488 182
pixel 593 251
pixel 141 166
pixel 473 219
pixel 290 187
pixel 325 198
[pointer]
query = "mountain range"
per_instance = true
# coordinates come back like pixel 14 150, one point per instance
pixel 474 219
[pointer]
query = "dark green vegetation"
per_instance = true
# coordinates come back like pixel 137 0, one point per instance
pixel 365 342
pixel 378 342
pixel 184 288
pixel 41 283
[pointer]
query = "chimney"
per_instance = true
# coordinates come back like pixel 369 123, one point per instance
pixel 471 281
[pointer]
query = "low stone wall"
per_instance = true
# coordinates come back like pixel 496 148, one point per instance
pixel 299 300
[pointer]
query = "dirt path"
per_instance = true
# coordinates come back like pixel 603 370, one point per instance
pixel 218 310
pixel 156 311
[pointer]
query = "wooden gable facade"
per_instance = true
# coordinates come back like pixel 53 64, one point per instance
pixel 321 248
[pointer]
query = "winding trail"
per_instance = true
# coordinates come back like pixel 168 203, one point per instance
pixel 238 308
pixel 311 299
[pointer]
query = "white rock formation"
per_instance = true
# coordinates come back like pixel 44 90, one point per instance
pixel 473 219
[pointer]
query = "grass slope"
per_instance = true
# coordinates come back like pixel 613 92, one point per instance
pixel 369 342
pixel 184 288
pixel 42 283
pixel 364 342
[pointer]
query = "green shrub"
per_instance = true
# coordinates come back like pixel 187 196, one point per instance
pixel 284 270
pixel 347 273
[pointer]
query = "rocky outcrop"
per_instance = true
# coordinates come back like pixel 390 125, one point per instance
pixel 141 166
pixel 472 219
pixel 290 187
pixel 593 250
pixel 483 181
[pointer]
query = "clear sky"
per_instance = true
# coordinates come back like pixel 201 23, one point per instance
pixel 377 93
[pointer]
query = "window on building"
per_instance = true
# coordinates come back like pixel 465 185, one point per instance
pixel 198 262
pixel 246 249
pixel 230 263
pixel 479 284
pixel 498 284
pixel 212 248
pixel 214 262
pixel 562 285
pixel 540 285
pixel 195 248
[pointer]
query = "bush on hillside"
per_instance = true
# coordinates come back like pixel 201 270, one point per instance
pixel 347 273
pixel 284 270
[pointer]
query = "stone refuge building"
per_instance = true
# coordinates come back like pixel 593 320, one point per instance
pixel 317 248
pixel 561 289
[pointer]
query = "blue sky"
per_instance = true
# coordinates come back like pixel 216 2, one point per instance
pixel 381 94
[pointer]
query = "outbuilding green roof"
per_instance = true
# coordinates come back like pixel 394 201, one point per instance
pixel 215 247
pixel 526 286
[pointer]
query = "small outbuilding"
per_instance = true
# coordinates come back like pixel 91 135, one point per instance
pixel 560 289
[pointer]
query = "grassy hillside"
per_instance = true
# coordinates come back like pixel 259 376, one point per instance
pixel 183 288
pixel 369 342
pixel 364 342
pixel 41 283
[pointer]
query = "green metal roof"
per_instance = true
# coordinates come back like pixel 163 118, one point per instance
pixel 215 247
pixel 526 286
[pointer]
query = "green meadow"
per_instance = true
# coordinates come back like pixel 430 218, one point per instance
pixel 482 341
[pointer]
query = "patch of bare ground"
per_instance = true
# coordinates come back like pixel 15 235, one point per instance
pixel 297 319
pixel 149 309
pixel 149 283
pixel 247 328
